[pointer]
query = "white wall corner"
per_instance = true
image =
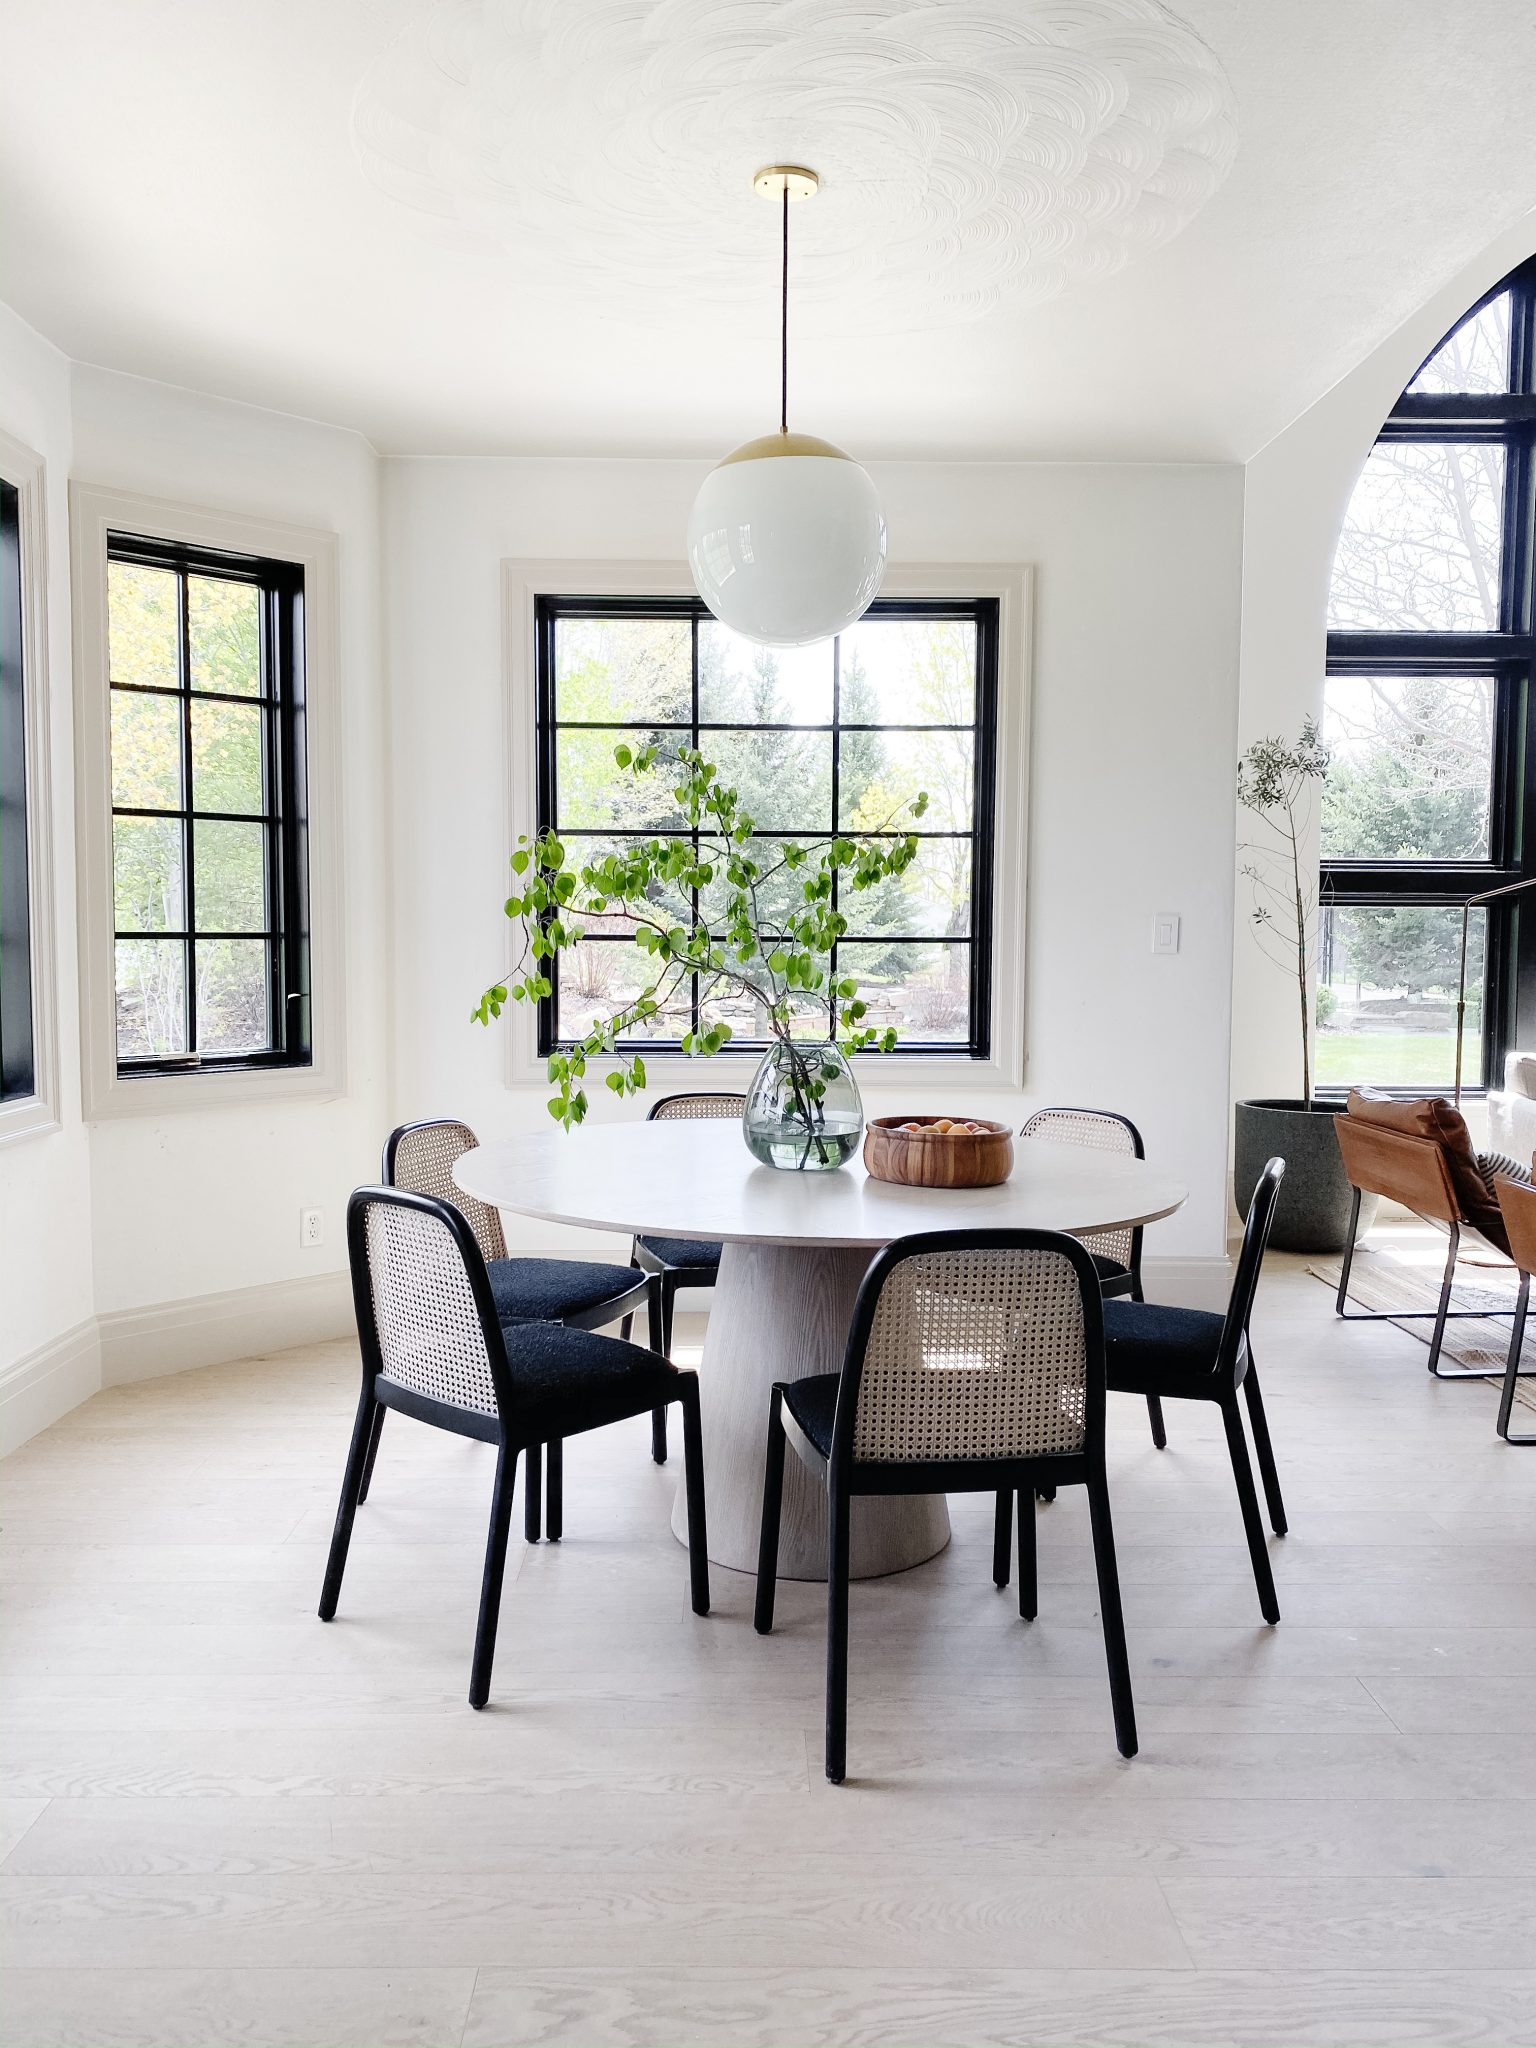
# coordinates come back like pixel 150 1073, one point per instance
pixel 45 1385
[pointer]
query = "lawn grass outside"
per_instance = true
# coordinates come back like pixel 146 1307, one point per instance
pixel 1396 1059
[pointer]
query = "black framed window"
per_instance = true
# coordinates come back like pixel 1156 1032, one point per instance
pixel 210 869
pixel 1430 713
pixel 818 740
pixel 18 1074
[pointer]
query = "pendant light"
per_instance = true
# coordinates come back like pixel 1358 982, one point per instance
pixel 786 539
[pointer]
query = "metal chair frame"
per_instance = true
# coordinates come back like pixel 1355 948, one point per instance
pixel 380 1392
pixel 848 1478
pixel 1440 1315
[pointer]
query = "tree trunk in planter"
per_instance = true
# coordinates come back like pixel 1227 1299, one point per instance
pixel 1312 1214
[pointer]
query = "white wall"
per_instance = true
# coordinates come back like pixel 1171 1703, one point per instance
pixel 1137 580
pixel 1296 492
pixel 205 1202
pixel 45 1240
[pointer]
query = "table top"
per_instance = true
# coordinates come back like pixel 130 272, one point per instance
pixel 695 1178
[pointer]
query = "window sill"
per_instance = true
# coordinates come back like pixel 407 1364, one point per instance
pixel 130 1095
pixel 27 1116
pixel 676 1073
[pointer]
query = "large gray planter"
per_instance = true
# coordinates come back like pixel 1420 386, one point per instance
pixel 1312 1214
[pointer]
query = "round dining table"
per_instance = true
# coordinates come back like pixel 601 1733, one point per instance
pixel 795 1247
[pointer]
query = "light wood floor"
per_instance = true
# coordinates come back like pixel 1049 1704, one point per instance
pixel 225 1822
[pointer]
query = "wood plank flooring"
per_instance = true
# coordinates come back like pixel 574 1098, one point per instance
pixel 222 1822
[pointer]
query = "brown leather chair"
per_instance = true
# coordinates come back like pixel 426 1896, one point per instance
pixel 1418 1154
pixel 1517 1204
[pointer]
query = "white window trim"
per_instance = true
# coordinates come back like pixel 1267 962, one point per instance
pixel 94 512
pixel 30 1116
pixel 523 582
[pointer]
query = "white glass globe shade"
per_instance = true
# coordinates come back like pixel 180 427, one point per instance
pixel 787 540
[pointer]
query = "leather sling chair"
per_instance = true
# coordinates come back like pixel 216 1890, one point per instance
pixel 1419 1155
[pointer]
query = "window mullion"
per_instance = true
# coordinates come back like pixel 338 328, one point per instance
pixel 189 798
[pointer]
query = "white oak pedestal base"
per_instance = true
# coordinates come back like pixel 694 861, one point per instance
pixel 782 1312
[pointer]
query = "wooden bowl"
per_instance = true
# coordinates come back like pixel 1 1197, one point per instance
pixel 929 1158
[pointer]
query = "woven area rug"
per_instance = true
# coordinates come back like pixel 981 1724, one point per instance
pixel 1380 1281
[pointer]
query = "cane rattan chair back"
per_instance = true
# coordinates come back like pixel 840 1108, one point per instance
pixel 1100 1130
pixel 718 1107
pixel 974 1352
pixel 421 1157
pixel 424 1307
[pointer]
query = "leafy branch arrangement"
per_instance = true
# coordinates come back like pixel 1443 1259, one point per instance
pixel 779 959
pixel 1275 782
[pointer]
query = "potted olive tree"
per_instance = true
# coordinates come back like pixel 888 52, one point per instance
pixel 1277 783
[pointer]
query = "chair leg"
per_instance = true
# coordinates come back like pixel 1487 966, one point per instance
pixel 668 1291
pixel 1047 1493
pixel 837 1634
pixel 1029 1596
pixel 554 1489
pixel 1445 1301
pixel 693 1494
pixel 1512 1367
pixel 656 1322
pixel 1155 1416
pixel 351 1493
pixel 533 1492
pixel 1263 1450
pixel 495 1565
pixel 1349 1251
pixel 1248 1501
pixel 626 1328
pixel 373 1451
pixel 773 1504
pixel 1121 1701
pixel 1002 1535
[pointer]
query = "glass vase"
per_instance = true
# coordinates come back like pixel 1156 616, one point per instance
pixel 803 1109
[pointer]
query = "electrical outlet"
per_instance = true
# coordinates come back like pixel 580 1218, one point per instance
pixel 1165 931
pixel 311 1227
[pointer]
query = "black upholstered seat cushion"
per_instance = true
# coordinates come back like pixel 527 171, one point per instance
pixel 544 1290
pixel 1110 1270
pixel 567 1380
pixel 813 1403
pixel 693 1253
pixel 1152 1349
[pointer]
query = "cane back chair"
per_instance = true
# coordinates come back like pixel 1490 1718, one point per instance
pixel 682 1261
pixel 1116 1255
pixel 582 1295
pixel 975 1362
pixel 434 1347
pixel 1191 1354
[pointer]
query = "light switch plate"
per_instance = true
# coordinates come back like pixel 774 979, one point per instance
pixel 1165 931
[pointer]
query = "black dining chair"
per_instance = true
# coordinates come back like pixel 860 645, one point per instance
pixel 681 1261
pixel 576 1292
pixel 1116 1256
pixel 1192 1354
pixel 434 1348
pixel 975 1362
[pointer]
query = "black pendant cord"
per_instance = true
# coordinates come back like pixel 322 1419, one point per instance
pixel 784 325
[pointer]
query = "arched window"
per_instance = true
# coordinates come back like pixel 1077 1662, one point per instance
pixel 1430 714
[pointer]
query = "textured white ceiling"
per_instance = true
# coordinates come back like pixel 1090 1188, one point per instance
pixel 181 196
pixel 971 152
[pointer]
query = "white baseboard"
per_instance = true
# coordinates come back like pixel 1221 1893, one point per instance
pixel 171 1336
pixel 1188 1283
pixel 209 1329
pixel 48 1382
